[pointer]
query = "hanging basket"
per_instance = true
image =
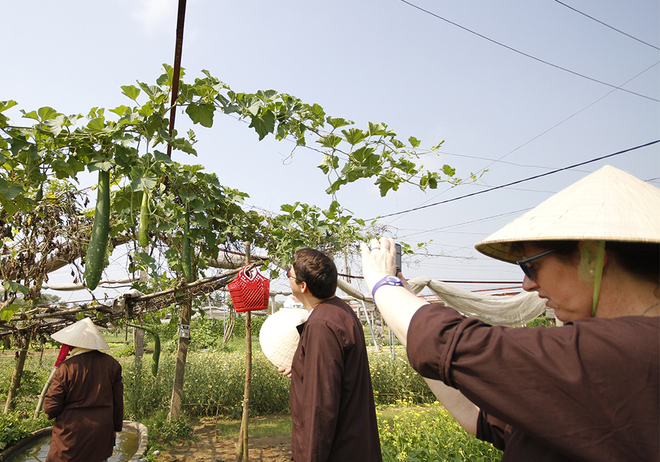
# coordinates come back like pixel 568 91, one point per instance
pixel 249 291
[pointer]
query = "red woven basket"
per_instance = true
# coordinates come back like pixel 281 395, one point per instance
pixel 249 291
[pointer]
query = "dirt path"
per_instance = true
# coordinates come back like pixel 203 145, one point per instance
pixel 209 447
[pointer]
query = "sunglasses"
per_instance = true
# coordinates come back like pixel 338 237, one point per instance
pixel 526 264
pixel 288 274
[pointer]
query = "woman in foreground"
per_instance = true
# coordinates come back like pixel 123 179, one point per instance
pixel 588 390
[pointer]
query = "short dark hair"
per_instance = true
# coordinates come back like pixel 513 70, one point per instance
pixel 317 270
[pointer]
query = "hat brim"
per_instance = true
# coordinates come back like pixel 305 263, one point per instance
pixel 82 334
pixel 609 205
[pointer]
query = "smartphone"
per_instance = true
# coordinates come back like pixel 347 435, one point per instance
pixel 398 258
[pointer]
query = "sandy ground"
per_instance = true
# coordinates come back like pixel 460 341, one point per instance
pixel 209 447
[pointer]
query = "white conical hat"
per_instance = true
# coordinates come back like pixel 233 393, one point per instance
pixel 608 204
pixel 82 334
pixel 279 335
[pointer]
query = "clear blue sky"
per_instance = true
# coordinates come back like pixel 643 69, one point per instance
pixel 468 83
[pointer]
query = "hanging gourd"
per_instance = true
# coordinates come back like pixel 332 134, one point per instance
pixel 98 242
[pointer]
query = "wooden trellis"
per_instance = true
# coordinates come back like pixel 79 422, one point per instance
pixel 42 321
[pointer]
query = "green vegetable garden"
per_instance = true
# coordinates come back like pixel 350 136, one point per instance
pixel 181 231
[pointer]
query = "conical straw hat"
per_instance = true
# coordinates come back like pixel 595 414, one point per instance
pixel 608 204
pixel 279 335
pixel 82 334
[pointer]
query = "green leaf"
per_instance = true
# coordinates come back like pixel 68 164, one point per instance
pixel 338 122
pixel 377 129
pixel 360 155
pixel 449 171
pixel 414 142
pixel 6 313
pixel 201 114
pixel 387 181
pixel 329 141
pixel 354 136
pixel 162 157
pixel 55 124
pixel 97 124
pixel 4 105
pixel 151 90
pixel 30 115
pixel 10 191
pixel 12 287
pixel 329 163
pixel 264 123
pixel 47 113
pixel 145 183
pixel 121 110
pixel 131 91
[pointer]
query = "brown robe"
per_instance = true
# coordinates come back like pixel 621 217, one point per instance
pixel 586 391
pixel 86 398
pixel 332 402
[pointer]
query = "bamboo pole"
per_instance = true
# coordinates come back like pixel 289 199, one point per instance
pixel 242 446
pixel 42 396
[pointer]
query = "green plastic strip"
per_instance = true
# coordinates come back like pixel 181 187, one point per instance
pixel 600 259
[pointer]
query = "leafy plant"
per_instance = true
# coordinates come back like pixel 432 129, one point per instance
pixel 14 427
pixel 428 433
pixel 541 321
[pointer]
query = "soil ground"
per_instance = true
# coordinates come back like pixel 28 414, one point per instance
pixel 211 447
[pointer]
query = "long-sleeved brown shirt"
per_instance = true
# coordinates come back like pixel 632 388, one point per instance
pixel 586 391
pixel 332 403
pixel 86 398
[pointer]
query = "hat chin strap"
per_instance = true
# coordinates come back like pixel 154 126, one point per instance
pixel 598 276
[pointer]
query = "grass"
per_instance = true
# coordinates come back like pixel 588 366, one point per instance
pixel 411 427
pixel 273 425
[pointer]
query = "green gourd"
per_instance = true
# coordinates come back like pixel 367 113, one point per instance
pixel 98 242
pixel 156 355
pixel 143 230
pixel 186 260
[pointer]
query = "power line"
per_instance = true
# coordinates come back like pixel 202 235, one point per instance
pixel 499 160
pixel 526 54
pixel 606 25
pixel 478 220
pixel 517 181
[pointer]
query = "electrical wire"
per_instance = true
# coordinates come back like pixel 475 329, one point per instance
pixel 526 54
pixel 516 182
pixel 606 25
pixel 499 160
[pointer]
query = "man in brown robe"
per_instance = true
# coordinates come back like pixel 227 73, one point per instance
pixel 332 403
pixel 85 398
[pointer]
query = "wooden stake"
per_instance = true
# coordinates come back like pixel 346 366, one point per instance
pixel 242 446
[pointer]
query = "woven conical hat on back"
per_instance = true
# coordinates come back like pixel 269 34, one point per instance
pixel 82 334
pixel 609 205
pixel 279 335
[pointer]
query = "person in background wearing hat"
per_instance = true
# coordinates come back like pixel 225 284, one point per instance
pixel 332 404
pixel 588 390
pixel 86 397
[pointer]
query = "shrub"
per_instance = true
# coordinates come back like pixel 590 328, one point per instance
pixel 214 385
pixel 429 433
pixel 14 426
pixel 396 380
pixel 541 321
pixel 164 434
pixel 126 350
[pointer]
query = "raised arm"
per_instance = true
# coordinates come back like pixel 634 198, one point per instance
pixel 398 305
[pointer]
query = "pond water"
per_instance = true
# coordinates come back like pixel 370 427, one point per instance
pixel 126 447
